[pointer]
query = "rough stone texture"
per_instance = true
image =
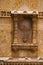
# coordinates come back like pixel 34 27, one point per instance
pixel 15 4
pixel 5 24
pixel 5 36
pixel 40 37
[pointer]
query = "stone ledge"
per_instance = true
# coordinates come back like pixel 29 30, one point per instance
pixel 8 14
pixel 27 47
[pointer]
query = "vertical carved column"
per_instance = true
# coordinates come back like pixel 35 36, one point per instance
pixel 34 30
pixel 15 30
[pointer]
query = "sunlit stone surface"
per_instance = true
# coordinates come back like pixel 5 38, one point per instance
pixel 17 45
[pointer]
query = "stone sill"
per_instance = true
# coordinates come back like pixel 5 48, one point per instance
pixel 25 46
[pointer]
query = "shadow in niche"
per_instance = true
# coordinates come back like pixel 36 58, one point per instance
pixel 23 26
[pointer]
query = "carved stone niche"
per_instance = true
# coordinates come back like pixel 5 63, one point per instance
pixel 24 40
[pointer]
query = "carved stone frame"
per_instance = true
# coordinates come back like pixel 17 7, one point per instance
pixel 34 45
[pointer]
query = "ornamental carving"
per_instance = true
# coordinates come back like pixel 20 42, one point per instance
pixel 23 36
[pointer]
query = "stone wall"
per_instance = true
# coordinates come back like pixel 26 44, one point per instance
pixel 9 5
pixel 16 4
pixel 6 23
pixel 40 37
pixel 5 36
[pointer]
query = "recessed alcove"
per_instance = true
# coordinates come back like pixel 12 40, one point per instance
pixel 24 37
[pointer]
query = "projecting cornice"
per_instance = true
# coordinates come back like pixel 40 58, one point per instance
pixel 8 13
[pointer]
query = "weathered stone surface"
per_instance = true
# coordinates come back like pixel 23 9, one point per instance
pixel 5 36
pixel 40 37
pixel 6 24
pixel 16 4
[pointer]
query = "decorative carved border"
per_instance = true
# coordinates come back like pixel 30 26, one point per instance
pixel 40 15
pixel 8 14
pixel 25 62
pixel 5 14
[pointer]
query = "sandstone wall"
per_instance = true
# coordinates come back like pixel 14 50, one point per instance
pixel 5 36
pixel 6 23
pixel 40 37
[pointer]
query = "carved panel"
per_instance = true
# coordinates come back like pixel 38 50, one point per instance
pixel 24 35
